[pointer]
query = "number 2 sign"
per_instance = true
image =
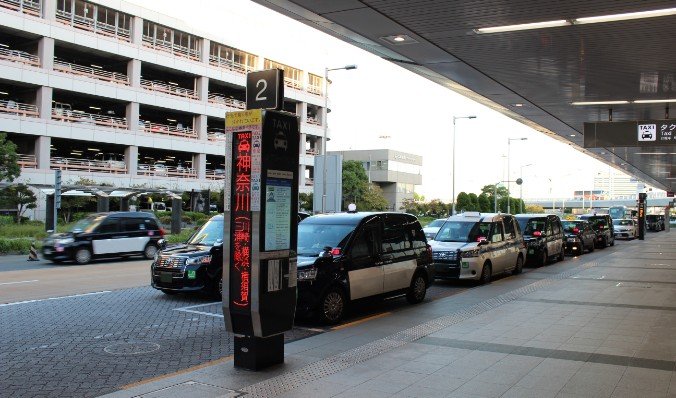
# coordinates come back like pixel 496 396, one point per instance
pixel 265 89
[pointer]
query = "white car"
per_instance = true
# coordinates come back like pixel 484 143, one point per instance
pixel 625 228
pixel 432 228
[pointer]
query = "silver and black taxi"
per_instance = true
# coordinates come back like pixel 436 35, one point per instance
pixel 543 236
pixel 477 246
pixel 349 256
pixel 193 266
pixel 101 235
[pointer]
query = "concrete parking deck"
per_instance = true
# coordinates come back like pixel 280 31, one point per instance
pixel 599 325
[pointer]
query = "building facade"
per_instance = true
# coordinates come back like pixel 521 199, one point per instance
pixel 111 92
pixel 396 173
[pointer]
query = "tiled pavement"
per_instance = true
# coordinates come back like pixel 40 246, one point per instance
pixel 600 325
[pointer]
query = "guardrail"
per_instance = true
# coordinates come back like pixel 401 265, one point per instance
pixel 218 174
pixel 27 161
pixel 97 166
pixel 166 171
pixel 312 152
pixel 18 108
pixel 65 115
pixel 216 135
pixel 19 56
pixel 230 65
pixel 92 25
pixel 231 102
pixel 313 120
pixel 316 90
pixel 156 128
pixel 167 46
pixel 30 7
pixel 170 89
pixel 91 72
pixel 295 84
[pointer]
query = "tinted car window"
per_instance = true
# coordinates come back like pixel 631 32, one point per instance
pixel 532 225
pixel 497 232
pixel 108 225
pixel 418 238
pixel 87 224
pixel 132 224
pixel 363 244
pixel 568 226
pixel 556 227
pixel 313 238
pixel 509 227
pixel 151 224
pixel 463 231
pixel 394 238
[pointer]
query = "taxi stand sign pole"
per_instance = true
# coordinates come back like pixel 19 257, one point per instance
pixel 641 214
pixel 261 206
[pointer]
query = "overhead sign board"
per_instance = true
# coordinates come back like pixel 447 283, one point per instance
pixel 630 134
pixel 265 89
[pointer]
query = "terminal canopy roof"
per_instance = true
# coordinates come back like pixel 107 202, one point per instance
pixel 574 52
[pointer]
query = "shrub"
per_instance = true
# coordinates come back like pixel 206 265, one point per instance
pixel 19 246
pixel 6 220
pixel 186 219
pixel 182 237
pixel 165 219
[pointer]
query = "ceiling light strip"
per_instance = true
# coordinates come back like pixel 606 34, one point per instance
pixel 524 26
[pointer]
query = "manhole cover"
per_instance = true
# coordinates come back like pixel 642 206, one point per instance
pixel 131 348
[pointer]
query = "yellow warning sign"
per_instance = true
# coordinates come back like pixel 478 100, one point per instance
pixel 243 118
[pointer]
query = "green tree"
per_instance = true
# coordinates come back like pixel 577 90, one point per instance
pixel 355 182
pixel 474 202
pixel 485 205
pixel 9 160
pixel 71 204
pixel 373 199
pixel 20 197
pixel 536 209
pixel 437 208
pixel 306 201
pixel 462 202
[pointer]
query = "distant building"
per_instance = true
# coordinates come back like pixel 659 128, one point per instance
pixel 396 173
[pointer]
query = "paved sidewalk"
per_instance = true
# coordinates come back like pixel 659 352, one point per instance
pixel 599 325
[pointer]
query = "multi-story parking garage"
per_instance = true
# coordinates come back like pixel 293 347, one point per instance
pixel 121 95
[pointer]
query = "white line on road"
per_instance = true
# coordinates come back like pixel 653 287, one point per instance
pixel 54 298
pixel 13 283
pixel 190 309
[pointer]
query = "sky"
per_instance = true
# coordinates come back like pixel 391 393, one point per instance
pixel 381 105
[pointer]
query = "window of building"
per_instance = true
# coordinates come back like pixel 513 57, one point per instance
pixel 289 72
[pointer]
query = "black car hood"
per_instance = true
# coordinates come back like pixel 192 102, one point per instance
pixel 304 261
pixel 185 250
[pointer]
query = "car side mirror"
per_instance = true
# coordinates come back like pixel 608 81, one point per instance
pixel 482 241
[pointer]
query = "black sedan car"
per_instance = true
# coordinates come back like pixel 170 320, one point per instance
pixel 578 237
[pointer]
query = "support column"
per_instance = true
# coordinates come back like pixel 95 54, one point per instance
pixel 205 50
pixel 301 111
pixel 102 204
pixel 46 51
pixel 49 213
pixel 137 30
pixel 131 159
pixel 134 72
pixel 132 114
pixel 124 203
pixel 303 157
pixel 49 10
pixel 200 126
pixel 42 154
pixel 202 88
pixel 176 213
pixel 44 102
pixel 199 163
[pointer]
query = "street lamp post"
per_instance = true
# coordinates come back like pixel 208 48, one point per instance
pixel 521 186
pixel 509 184
pixel 453 193
pixel 326 127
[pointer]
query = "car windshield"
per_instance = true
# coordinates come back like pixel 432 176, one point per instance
pixel 528 226
pixel 463 231
pixel 568 226
pixel 209 234
pixel 623 222
pixel 87 224
pixel 313 238
pixel 437 223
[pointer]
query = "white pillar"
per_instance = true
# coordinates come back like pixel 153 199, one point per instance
pixel 200 126
pixel 134 72
pixel 205 49
pixel 199 163
pixel 42 154
pixel 49 10
pixel 44 102
pixel 131 159
pixel 132 115
pixel 202 88
pixel 46 52
pixel 301 111
pixel 137 30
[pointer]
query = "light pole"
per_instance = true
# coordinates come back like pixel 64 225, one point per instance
pixel 453 193
pixel 521 185
pixel 509 183
pixel 326 127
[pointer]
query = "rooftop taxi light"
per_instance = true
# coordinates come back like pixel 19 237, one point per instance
pixel 626 16
pixel 523 26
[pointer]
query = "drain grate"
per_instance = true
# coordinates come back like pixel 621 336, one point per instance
pixel 131 348
pixel 325 367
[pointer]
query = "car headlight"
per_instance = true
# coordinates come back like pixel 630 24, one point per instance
pixel 198 260
pixel 307 274
pixel 470 253
pixel 65 241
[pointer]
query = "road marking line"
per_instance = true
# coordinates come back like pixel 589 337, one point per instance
pixel 54 298
pixel 357 322
pixel 178 373
pixel 13 283
pixel 197 306
pixel 200 312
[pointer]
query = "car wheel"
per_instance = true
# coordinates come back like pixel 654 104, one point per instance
pixel 217 286
pixel 417 290
pixel 83 255
pixel 519 265
pixel 544 257
pixel 562 255
pixel 332 306
pixel 168 292
pixel 612 242
pixel 485 274
pixel 150 251
pixel 592 247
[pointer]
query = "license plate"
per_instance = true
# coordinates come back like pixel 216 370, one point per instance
pixel 571 239
pixel 165 277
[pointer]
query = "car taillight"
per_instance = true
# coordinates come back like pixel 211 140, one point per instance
pixel 162 232
pixel 537 233
pixel 335 251
pixel 576 231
